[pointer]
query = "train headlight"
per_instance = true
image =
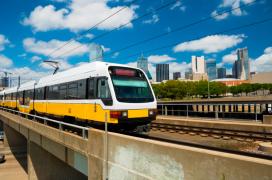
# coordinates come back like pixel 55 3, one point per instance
pixel 152 112
pixel 124 114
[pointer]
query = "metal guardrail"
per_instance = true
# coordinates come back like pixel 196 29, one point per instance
pixel 188 109
pixel 84 130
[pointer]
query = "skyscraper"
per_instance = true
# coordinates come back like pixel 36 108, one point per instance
pixel 243 65
pixel 235 70
pixel 176 75
pixel 142 63
pixel 198 64
pixel 221 73
pixel 96 52
pixel 162 72
pixel 188 74
pixel 211 69
pixel 198 68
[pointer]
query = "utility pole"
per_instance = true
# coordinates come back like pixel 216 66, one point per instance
pixel 208 84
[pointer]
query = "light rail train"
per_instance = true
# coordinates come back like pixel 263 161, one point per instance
pixel 92 94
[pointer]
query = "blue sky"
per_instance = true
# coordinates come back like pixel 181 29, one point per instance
pixel 31 30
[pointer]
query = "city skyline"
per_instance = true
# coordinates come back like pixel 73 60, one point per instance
pixel 23 53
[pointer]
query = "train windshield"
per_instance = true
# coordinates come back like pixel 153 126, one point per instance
pixel 130 85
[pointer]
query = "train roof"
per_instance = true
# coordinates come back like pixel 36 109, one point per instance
pixel 27 85
pixel 10 90
pixel 96 68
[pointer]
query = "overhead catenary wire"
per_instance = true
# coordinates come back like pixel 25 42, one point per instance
pixel 219 32
pixel 123 25
pixel 91 28
pixel 183 27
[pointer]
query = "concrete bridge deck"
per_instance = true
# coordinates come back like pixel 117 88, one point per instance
pixel 56 154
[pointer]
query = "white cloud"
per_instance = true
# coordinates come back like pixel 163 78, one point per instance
pixel 210 44
pixel 79 15
pixel 89 36
pixel 178 5
pixel 153 20
pixel 160 58
pixel 26 74
pixel 35 59
pixel 5 62
pixel 264 62
pixel 229 58
pixel 115 55
pixel 233 4
pixel 45 48
pixel 219 17
pixel 3 41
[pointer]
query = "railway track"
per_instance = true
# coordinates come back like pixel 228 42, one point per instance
pixel 213 132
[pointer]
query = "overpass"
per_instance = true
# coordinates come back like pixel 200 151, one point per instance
pixel 53 153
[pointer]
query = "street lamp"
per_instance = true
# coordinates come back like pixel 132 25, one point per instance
pixel 208 83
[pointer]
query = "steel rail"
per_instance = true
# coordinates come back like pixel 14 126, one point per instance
pixel 264 136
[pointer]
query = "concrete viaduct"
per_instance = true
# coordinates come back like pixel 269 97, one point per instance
pixel 57 154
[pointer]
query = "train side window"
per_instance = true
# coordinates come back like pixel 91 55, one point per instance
pixel 91 89
pixel 55 92
pixel 72 92
pixel 39 94
pixel 81 89
pixel 103 91
pixel 63 91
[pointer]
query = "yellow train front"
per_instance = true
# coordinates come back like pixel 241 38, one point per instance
pixel 92 93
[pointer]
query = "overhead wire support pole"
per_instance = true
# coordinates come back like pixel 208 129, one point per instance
pixel 105 176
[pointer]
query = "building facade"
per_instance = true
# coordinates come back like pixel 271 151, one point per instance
pixel 162 72
pixel 211 69
pixel 231 81
pixel 221 73
pixel 176 75
pixel 4 82
pixel 243 64
pixel 235 70
pixel 188 74
pixel 262 78
pixel 142 63
pixel 198 64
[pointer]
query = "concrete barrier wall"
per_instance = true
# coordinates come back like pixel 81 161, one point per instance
pixel 134 158
pixel 66 139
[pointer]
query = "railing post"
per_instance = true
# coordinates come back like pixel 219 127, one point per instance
pixel 44 122
pixel 255 110
pixel 216 111
pixel 60 126
pixel 187 109
pixel 83 133
pixel 165 113
pixel 105 176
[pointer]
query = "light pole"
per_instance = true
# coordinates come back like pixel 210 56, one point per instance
pixel 208 83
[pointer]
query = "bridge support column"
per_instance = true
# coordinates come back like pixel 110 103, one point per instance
pixel 43 165
pixel 14 140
